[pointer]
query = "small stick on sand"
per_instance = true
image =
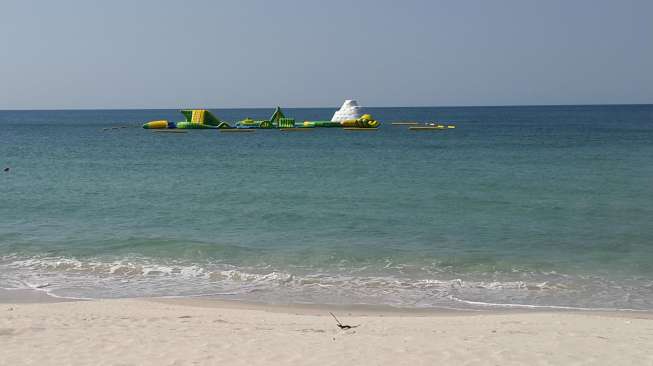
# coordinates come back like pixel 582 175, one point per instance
pixel 340 325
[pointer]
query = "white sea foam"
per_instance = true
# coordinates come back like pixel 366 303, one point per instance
pixel 137 276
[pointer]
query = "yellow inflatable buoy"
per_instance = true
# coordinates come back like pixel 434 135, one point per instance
pixel 156 124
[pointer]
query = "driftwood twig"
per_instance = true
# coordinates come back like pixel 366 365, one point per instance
pixel 343 326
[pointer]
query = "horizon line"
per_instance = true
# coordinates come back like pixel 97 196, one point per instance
pixel 331 107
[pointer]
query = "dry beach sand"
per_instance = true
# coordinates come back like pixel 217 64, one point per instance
pixel 207 332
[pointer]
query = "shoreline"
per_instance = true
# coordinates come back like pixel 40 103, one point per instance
pixel 38 296
pixel 29 296
pixel 208 332
pixel 365 310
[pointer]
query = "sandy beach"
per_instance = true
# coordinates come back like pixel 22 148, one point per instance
pixel 208 332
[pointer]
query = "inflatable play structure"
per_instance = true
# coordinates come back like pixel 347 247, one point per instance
pixel 195 119
pixel 350 110
pixel 203 119
pixel 277 120
pixel 348 117
pixel 365 121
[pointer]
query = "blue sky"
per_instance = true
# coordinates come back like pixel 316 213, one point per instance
pixel 221 54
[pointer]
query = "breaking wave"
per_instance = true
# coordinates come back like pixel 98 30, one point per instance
pixel 143 277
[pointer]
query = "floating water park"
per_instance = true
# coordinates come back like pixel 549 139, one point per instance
pixel 350 116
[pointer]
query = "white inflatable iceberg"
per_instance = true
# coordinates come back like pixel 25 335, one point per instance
pixel 349 110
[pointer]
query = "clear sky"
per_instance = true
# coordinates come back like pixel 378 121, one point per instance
pixel 221 54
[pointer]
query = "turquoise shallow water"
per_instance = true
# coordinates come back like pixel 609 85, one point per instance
pixel 547 206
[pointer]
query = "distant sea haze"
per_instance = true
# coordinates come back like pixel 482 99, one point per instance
pixel 516 206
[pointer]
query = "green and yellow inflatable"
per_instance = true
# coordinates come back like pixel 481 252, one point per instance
pixel 203 119
pixel 276 120
pixel 365 121
pixel 195 119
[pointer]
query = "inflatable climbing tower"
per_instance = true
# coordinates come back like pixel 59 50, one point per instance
pixel 349 110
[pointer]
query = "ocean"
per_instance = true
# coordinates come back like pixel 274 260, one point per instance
pixel 543 206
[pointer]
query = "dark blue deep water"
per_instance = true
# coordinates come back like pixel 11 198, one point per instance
pixel 548 206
